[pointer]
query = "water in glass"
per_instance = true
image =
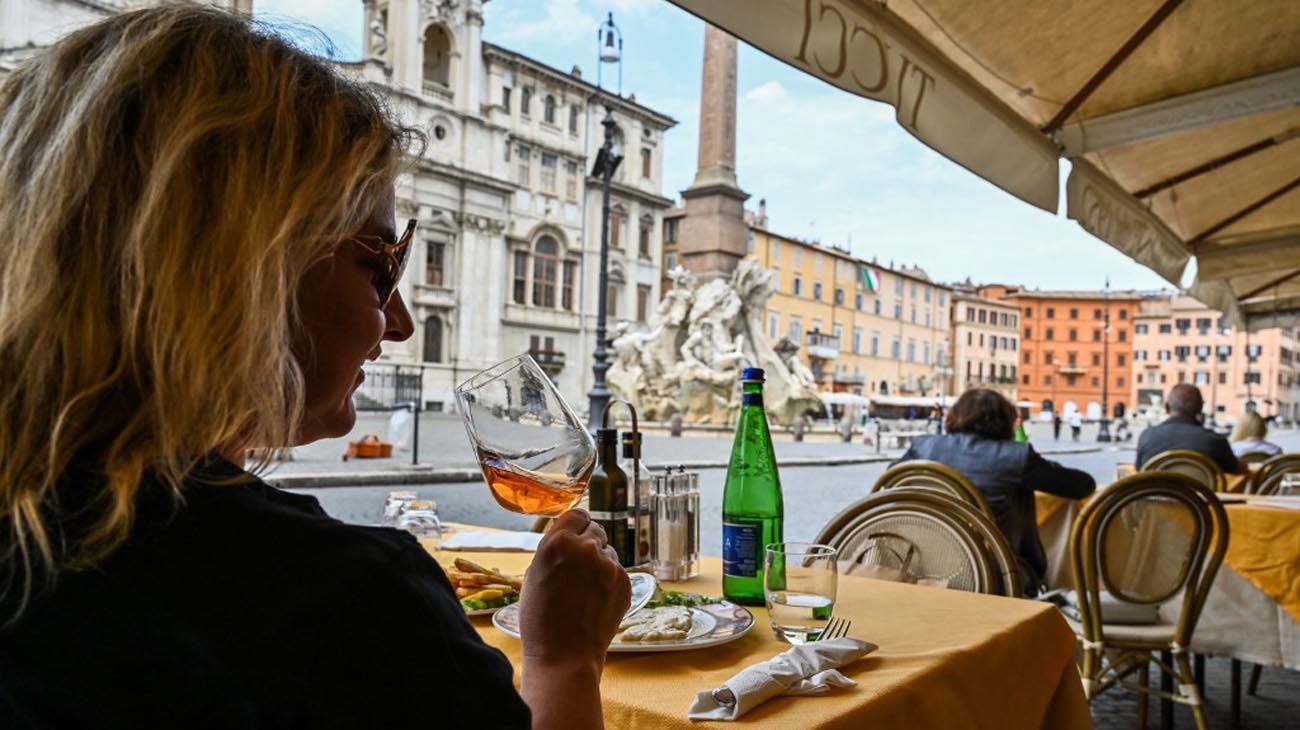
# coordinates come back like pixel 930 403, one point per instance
pixel 799 584
pixel 536 455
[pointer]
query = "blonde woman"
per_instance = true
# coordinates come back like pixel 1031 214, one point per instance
pixel 197 254
pixel 1248 437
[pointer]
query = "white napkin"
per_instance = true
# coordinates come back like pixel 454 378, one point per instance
pixel 809 669
pixel 483 541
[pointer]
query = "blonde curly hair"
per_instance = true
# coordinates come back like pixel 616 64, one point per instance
pixel 167 176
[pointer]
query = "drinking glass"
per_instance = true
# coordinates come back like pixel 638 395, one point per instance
pixel 799 582
pixel 536 455
pixel 420 518
pixel 394 504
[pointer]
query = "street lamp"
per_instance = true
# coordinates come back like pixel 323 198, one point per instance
pixel 607 160
pixel 1103 430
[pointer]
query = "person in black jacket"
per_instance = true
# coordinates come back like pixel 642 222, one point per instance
pixel 1183 430
pixel 979 444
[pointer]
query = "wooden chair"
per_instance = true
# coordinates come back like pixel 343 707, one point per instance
pixel 1254 457
pixel 1146 540
pixel 1190 463
pixel 936 477
pixel 1270 475
pixel 924 536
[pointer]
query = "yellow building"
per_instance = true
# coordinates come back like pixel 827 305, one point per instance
pixel 862 328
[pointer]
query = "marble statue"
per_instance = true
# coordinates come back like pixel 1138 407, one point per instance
pixel 702 334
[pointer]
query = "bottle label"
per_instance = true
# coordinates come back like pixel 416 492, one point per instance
pixel 602 516
pixel 740 546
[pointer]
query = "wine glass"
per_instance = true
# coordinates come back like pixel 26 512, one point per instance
pixel 535 453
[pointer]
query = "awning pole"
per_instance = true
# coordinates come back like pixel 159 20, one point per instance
pixel 1216 163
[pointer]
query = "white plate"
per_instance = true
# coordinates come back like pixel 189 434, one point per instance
pixel 711 624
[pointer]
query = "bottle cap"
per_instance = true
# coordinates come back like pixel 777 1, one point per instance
pixel 755 374
pixel 606 436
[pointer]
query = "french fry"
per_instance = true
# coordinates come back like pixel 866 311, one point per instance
pixel 465 592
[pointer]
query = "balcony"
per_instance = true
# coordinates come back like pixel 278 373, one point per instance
pixel 822 346
pixel 1071 369
pixel 437 90
pixel 551 361
pixel 847 379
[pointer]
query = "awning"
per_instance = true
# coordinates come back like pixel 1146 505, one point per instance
pixel 1180 118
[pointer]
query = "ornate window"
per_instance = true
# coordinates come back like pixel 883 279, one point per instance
pixel 571 180
pixel 642 302
pixel 617 219
pixel 523 165
pixel 613 293
pixel 520 289
pixel 545 263
pixel 570 281
pixel 550 165
pixel 646 157
pixel 433 339
pixel 643 236
pixel 435 260
pixel 526 101
pixel 437 59
pixel 573 118
pixel 548 109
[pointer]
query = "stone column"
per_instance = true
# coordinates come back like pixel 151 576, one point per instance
pixel 405 50
pixel 471 84
pixel 714 234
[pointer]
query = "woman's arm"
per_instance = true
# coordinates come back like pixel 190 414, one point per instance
pixel 1049 476
pixel 573 599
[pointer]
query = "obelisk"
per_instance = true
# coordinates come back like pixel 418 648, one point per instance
pixel 713 234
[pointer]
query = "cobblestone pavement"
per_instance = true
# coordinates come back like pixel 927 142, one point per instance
pixel 1275 707
pixel 443 444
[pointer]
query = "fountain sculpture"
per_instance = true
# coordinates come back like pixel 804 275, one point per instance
pixel 701 336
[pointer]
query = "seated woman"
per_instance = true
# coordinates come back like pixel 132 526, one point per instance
pixel 197 256
pixel 1248 437
pixel 979 443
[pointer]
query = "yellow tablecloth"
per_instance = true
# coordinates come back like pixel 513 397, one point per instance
pixel 1232 482
pixel 1263 546
pixel 947 659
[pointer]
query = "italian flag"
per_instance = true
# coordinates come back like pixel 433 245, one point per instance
pixel 870 279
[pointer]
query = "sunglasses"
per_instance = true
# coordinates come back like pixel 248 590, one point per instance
pixel 395 255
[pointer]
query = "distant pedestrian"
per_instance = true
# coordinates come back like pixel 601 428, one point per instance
pixel 1076 425
pixel 1056 426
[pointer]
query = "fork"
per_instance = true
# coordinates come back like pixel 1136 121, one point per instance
pixel 836 628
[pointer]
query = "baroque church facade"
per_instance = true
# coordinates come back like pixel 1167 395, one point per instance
pixel 506 260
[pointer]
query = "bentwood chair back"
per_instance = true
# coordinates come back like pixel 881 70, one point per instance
pixel 1194 464
pixel 922 536
pixel 1254 457
pixel 1272 473
pixel 1153 538
pixel 936 477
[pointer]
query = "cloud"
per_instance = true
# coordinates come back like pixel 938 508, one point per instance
pixel 561 22
pixel 771 91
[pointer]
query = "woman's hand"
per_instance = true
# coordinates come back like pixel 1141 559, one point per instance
pixel 574 596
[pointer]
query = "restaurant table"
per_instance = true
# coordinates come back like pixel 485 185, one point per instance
pixel 946 659
pixel 1252 612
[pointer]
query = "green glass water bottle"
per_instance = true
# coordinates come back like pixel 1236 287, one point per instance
pixel 1021 436
pixel 607 495
pixel 752 510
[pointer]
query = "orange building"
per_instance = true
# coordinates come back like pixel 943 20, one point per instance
pixel 1063 343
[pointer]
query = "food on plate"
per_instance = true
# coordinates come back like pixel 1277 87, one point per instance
pixel 669 623
pixel 679 598
pixel 480 588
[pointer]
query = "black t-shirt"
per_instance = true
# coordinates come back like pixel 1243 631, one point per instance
pixel 249 607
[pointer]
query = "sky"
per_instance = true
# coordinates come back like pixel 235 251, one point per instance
pixel 832 167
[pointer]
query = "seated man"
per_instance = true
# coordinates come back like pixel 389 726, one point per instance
pixel 1182 430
